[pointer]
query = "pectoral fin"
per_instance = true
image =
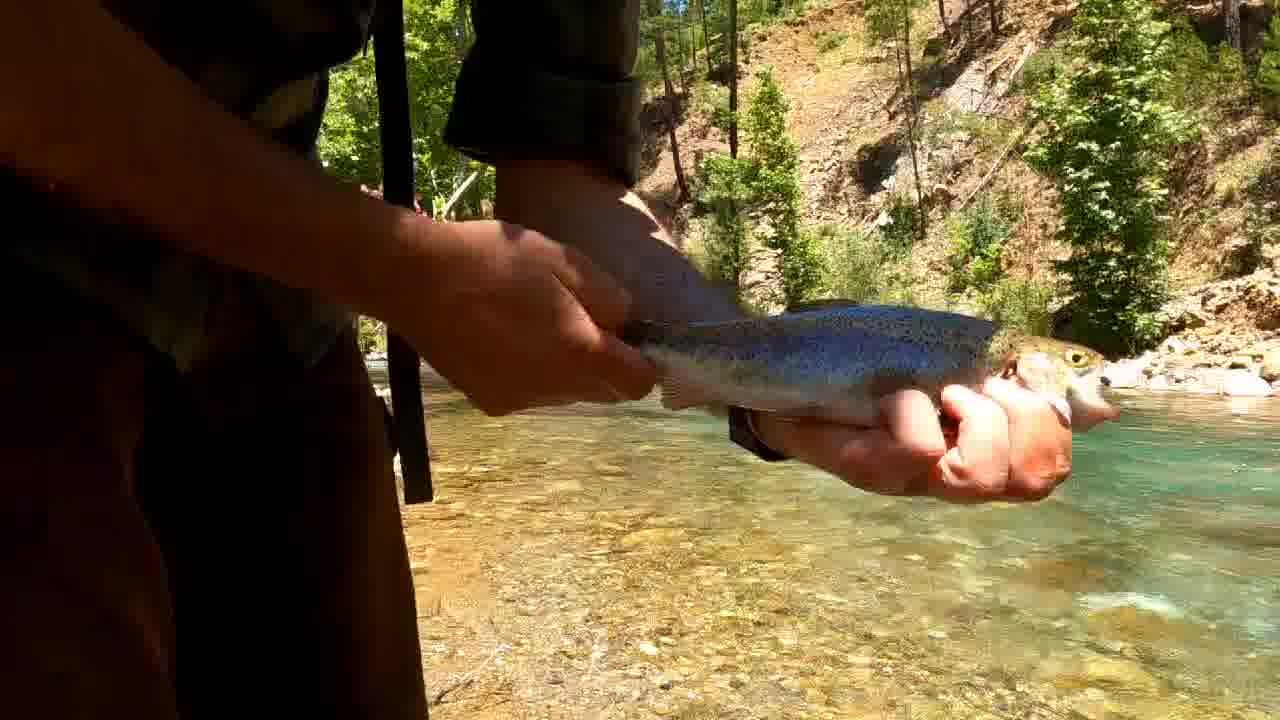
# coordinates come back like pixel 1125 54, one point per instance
pixel 679 394
pixel 1063 407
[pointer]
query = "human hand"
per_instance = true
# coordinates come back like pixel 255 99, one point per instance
pixel 515 320
pixel 1010 445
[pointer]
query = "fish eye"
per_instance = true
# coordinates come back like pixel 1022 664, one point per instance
pixel 1075 357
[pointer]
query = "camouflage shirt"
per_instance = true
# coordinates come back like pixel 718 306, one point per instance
pixel 543 78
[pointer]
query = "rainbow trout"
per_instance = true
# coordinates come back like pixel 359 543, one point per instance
pixel 834 360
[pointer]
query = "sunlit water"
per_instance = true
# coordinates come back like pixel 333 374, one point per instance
pixel 1149 583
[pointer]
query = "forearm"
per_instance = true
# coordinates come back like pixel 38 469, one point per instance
pixel 583 208
pixel 104 121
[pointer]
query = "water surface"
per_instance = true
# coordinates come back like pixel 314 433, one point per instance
pixel 629 562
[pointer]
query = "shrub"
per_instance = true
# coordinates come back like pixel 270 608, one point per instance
pixel 371 335
pixel 899 233
pixel 858 266
pixel 1022 304
pixel 1269 63
pixel 1109 129
pixel 977 236
pixel 832 40
pixel 1042 67
pixel 723 193
pixel 775 191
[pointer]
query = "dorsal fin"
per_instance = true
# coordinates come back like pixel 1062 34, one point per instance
pixel 826 304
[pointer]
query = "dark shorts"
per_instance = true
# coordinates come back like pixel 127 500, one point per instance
pixel 224 544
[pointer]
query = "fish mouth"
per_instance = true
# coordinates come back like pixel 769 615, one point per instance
pixel 1088 408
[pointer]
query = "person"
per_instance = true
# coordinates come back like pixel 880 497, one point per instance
pixel 200 511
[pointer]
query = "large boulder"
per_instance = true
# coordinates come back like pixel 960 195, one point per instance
pixel 1271 364
pixel 1242 383
pixel 1127 373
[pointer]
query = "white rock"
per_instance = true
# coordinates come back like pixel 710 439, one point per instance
pixel 1159 382
pixel 1271 365
pixel 1242 383
pixel 1127 373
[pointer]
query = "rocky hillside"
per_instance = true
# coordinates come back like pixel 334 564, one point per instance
pixel 848 118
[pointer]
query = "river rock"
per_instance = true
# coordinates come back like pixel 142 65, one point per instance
pixel 652 537
pixel 1127 373
pixel 1124 675
pixel 1184 314
pixel 1159 382
pixel 1240 362
pixel 1271 365
pixel 1242 383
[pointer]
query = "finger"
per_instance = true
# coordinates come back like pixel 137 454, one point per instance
pixel 977 467
pixel 604 299
pixel 912 420
pixel 1039 441
pixel 870 459
pixel 620 367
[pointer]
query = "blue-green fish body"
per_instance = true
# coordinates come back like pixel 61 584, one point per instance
pixel 837 361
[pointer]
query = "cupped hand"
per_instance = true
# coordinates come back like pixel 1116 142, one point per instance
pixel 1009 445
pixel 515 320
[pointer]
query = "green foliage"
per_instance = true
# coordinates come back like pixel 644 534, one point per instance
pixel 832 40
pixel 371 335
pixel 1044 66
pixel 724 193
pixel 977 237
pixel 1109 129
pixel 1201 78
pixel 1269 62
pixel 762 185
pixel 436 35
pixel 899 234
pixel 775 189
pixel 861 267
pixel 1022 304
pixel 888 20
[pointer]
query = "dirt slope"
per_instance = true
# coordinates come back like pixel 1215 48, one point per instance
pixel 847 119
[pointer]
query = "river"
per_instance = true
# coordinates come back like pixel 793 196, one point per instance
pixel 629 562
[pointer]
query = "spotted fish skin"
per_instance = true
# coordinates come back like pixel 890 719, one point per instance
pixel 837 362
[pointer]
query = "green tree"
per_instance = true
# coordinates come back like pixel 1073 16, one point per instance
pixel 1269 63
pixel 723 193
pixel 775 190
pixel 436 34
pixel 1108 134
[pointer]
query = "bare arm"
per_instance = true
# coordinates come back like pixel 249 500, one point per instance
pixel 106 121
pixel 614 227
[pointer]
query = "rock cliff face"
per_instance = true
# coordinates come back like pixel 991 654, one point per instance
pixel 1226 341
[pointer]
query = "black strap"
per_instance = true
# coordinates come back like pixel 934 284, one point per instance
pixel 397 188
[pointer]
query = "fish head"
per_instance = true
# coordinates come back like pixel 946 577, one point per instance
pixel 1068 375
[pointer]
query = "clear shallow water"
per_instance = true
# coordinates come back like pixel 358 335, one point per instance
pixel 1149 585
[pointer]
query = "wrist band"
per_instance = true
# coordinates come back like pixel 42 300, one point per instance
pixel 743 433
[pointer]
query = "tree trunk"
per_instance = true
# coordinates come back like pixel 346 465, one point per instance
pixel 733 79
pixel 915 114
pixel 995 18
pixel 660 49
pixel 1231 19
pixel 942 14
pixel 683 69
pixel 706 35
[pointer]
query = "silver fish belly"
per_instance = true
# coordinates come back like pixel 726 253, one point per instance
pixel 833 364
